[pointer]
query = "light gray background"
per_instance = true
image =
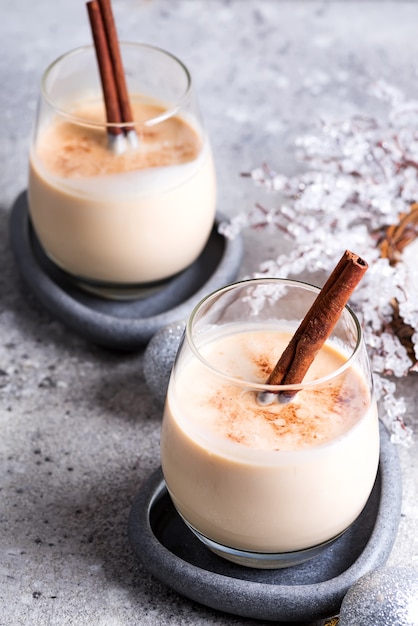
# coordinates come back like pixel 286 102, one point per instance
pixel 79 431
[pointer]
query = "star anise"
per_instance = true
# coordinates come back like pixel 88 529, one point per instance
pixel 398 236
pixel 395 239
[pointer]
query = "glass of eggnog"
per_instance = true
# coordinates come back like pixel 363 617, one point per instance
pixel 120 222
pixel 267 485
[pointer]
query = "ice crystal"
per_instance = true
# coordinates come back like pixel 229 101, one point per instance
pixel 361 176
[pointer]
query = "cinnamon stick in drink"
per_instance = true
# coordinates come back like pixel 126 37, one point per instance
pixel 316 326
pixel 112 74
pixel 113 113
pixel 117 65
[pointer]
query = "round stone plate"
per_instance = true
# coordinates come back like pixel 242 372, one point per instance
pixel 307 592
pixel 128 324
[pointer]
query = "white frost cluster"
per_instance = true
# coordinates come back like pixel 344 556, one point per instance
pixel 361 175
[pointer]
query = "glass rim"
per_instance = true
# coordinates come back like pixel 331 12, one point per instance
pixel 167 114
pixel 263 387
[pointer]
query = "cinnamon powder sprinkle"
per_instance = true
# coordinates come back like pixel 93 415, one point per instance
pixel 312 418
pixel 70 150
pixel 230 411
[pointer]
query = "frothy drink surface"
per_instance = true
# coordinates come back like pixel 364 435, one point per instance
pixel 224 410
pixel 70 151
pixel 138 217
pixel 269 478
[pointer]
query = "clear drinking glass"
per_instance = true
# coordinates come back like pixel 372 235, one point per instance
pixel 119 222
pixel 267 486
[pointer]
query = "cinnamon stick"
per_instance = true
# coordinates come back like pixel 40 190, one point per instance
pixel 116 59
pixel 112 74
pixel 317 325
pixel 113 113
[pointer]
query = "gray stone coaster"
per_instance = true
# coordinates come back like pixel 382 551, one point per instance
pixel 123 325
pixel 159 357
pixel 307 592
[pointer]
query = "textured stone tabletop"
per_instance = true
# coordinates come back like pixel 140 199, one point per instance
pixel 79 429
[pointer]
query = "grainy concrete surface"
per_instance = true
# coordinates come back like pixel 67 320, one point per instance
pixel 79 430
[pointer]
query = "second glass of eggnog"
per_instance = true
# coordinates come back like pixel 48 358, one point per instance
pixel 267 485
pixel 116 220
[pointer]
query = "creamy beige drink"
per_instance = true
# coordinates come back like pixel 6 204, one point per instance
pixel 137 217
pixel 275 478
pixel 120 217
